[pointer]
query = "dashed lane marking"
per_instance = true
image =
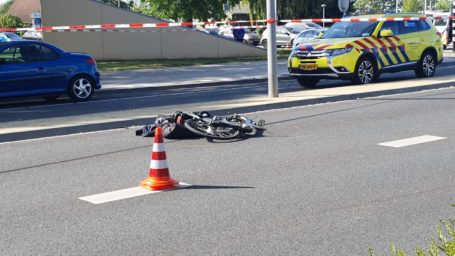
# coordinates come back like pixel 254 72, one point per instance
pixel 411 141
pixel 123 194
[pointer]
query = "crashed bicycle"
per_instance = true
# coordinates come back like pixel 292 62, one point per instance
pixel 220 127
pixel 181 125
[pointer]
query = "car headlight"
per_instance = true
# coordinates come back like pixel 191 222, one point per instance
pixel 336 52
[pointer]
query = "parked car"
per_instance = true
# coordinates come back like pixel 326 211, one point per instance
pixel 302 25
pixel 33 35
pixel 307 35
pixel 29 68
pixel 442 24
pixel 284 36
pixel 9 36
pixel 361 51
pixel 250 36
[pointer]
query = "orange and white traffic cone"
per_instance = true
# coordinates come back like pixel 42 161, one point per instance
pixel 159 176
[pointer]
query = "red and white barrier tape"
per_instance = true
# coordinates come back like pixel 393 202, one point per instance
pixel 103 27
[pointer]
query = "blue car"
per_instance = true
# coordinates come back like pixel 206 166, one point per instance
pixel 32 68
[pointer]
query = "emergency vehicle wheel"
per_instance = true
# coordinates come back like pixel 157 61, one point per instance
pixel 365 71
pixel 309 82
pixel 426 66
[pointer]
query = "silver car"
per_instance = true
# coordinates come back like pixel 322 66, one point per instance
pixel 307 35
pixel 250 36
pixel 284 37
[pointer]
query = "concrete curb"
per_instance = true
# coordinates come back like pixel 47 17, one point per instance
pixel 246 109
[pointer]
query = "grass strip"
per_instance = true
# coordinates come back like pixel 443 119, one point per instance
pixel 121 65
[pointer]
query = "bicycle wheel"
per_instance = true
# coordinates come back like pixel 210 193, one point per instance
pixel 200 127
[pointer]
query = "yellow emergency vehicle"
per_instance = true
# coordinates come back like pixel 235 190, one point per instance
pixel 363 47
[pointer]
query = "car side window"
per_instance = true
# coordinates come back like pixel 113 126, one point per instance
pixel 282 32
pixel 424 25
pixel 11 55
pixel 30 52
pixel 410 26
pixel 36 52
pixel 391 25
pixel 48 53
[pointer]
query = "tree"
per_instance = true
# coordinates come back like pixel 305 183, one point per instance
pixel 373 6
pixel 10 21
pixel 412 6
pixel 123 4
pixel 5 6
pixel 186 9
pixel 289 9
pixel 443 5
pixel 213 9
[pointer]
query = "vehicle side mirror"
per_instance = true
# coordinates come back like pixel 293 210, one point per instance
pixel 386 33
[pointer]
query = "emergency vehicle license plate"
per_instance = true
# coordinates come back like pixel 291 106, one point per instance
pixel 309 66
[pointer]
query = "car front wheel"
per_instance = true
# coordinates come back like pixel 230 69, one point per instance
pixel 81 88
pixel 264 44
pixel 426 66
pixel 365 71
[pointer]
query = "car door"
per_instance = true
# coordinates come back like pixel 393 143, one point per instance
pixel 412 38
pixel 54 70
pixel 392 49
pixel 17 75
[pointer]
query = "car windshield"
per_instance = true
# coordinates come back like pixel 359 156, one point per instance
pixel 294 30
pixel 347 29
pixel 11 36
pixel 440 22
pixel 312 25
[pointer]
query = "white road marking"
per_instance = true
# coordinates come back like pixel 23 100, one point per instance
pixel 123 194
pixel 411 141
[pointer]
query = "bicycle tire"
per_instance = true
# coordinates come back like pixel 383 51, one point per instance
pixel 200 127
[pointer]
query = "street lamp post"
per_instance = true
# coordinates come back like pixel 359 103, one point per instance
pixel 425 8
pixel 323 14
pixel 272 65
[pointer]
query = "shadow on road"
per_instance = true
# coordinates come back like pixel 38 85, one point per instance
pixel 216 187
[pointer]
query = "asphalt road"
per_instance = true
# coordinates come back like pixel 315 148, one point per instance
pixel 22 119
pixel 316 183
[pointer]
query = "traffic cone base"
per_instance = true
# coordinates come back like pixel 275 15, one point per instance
pixel 154 183
pixel 159 176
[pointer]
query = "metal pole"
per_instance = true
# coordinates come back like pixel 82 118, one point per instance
pixel 323 17
pixel 118 3
pixel 396 6
pixel 271 49
pixel 323 14
pixel 452 25
pixel 425 8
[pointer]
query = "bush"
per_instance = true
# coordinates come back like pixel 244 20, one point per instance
pixel 10 21
pixel 444 245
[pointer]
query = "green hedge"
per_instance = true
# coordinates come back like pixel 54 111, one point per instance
pixel 444 245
